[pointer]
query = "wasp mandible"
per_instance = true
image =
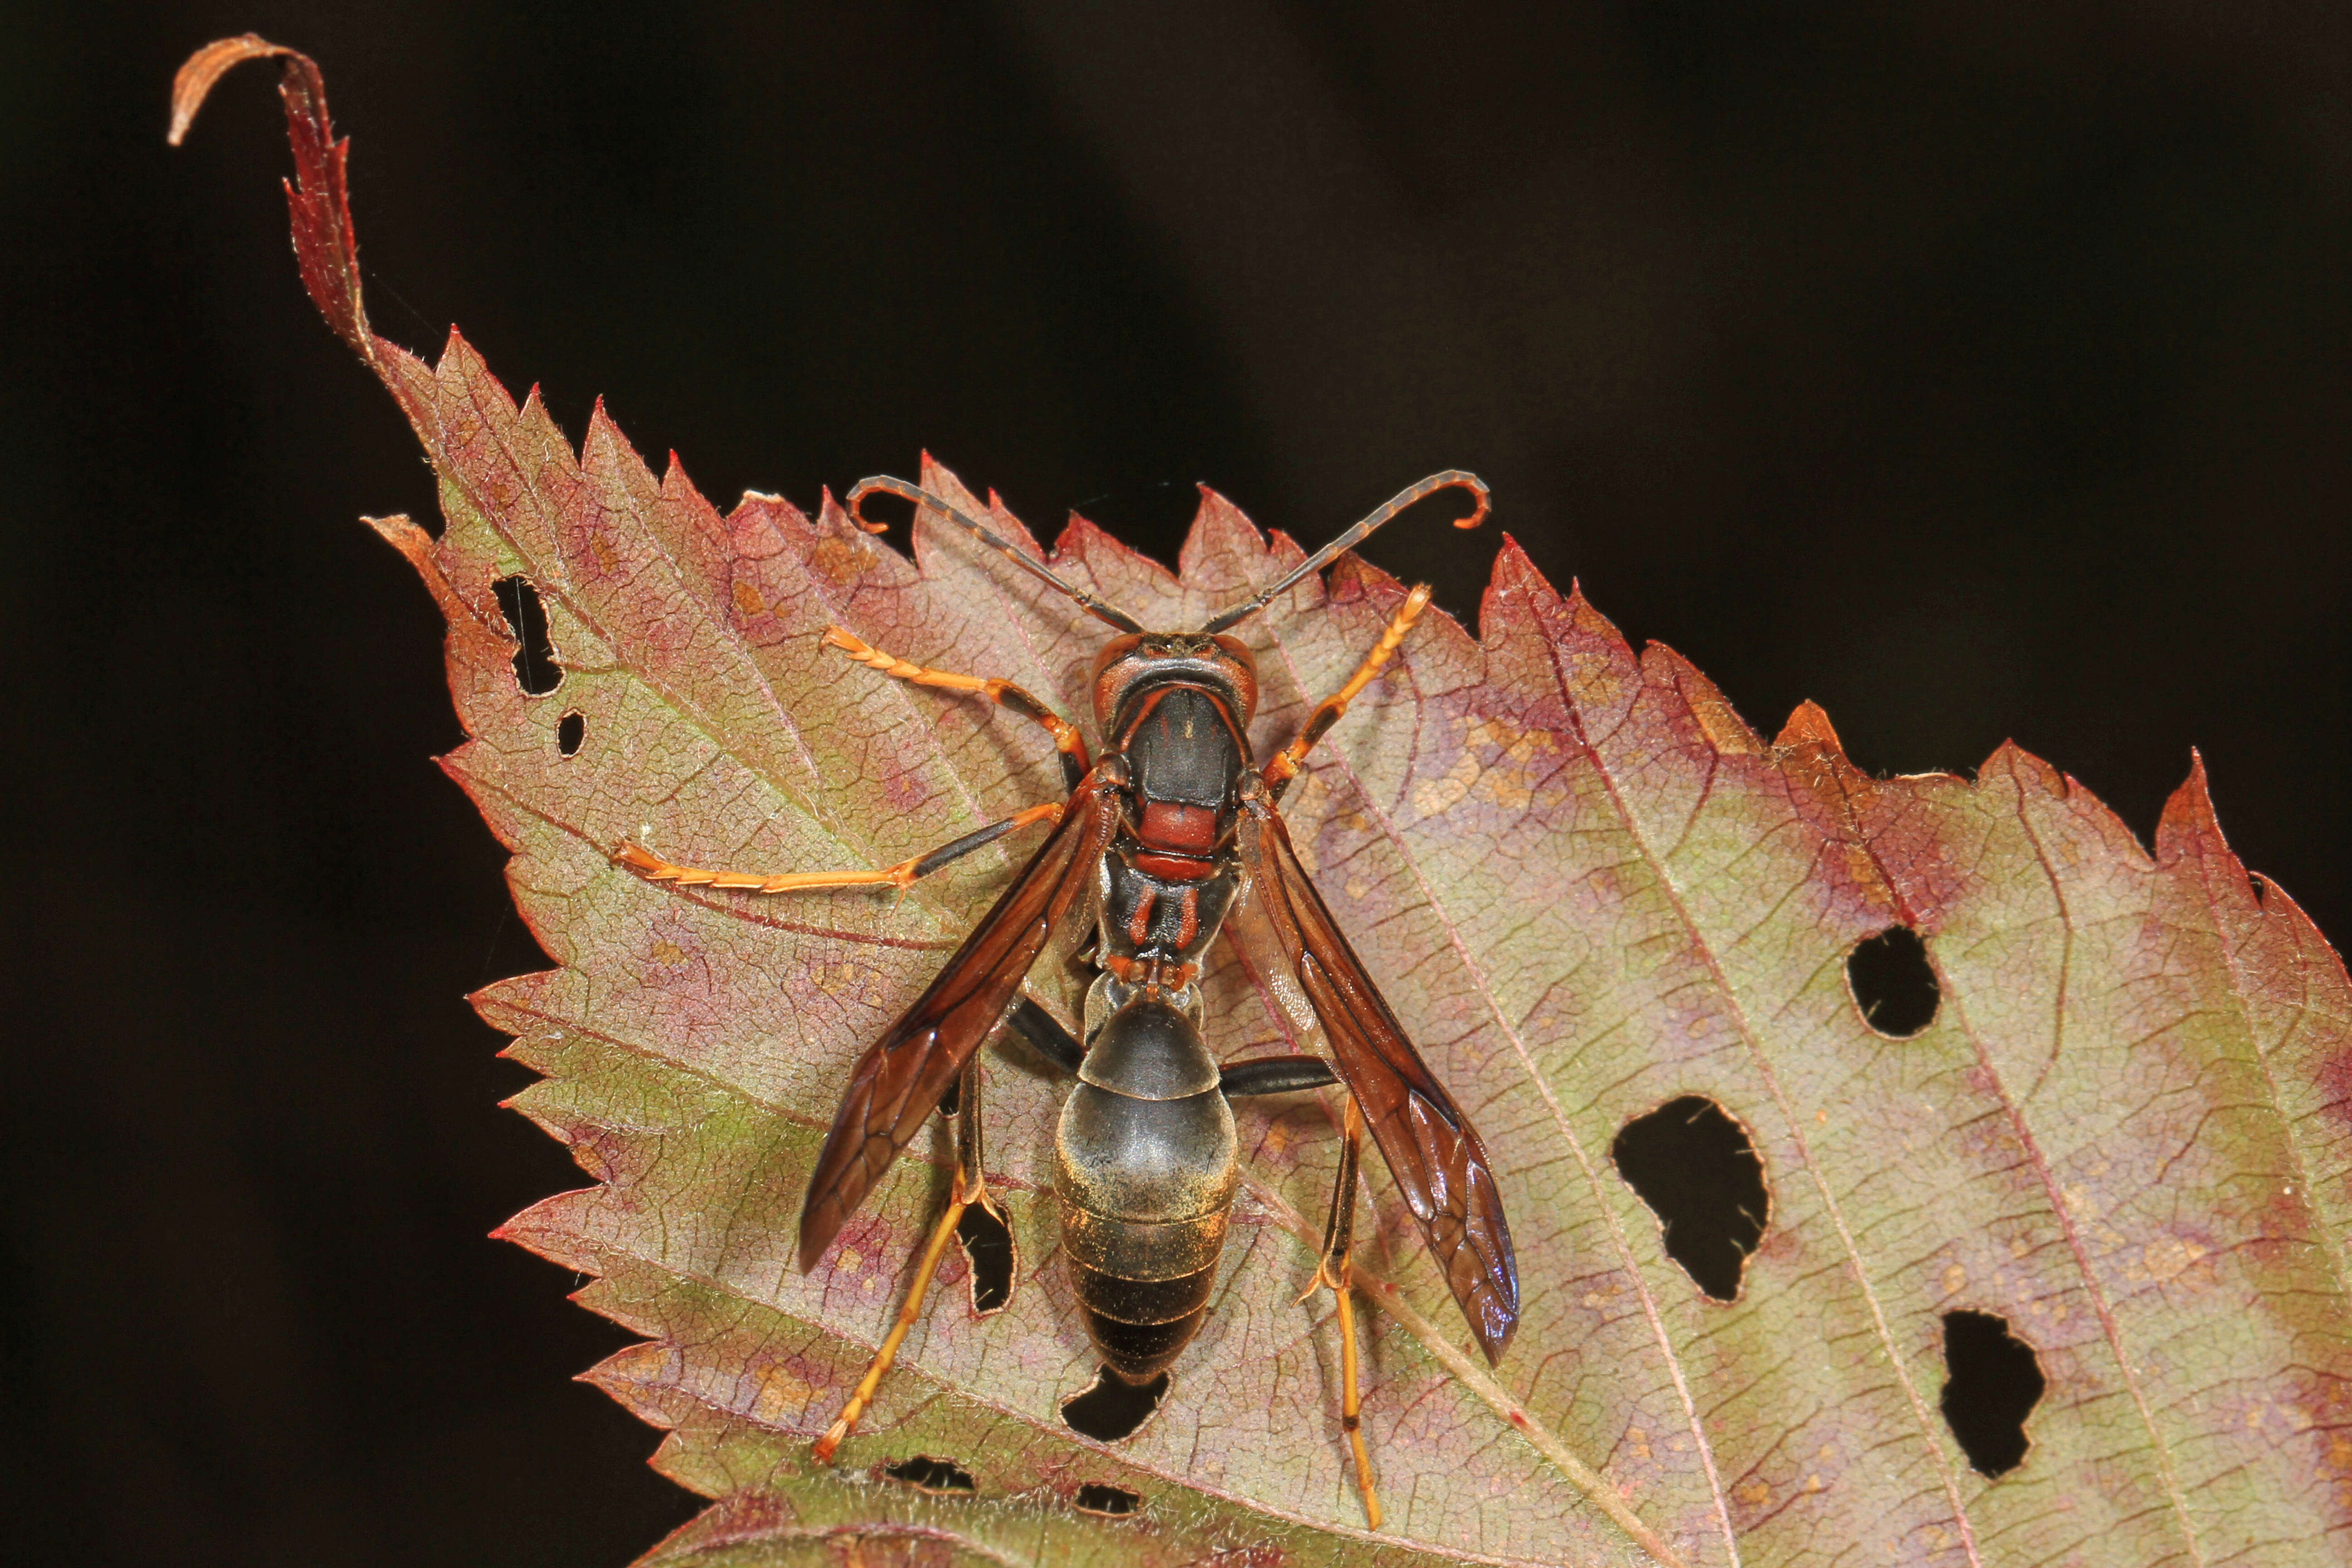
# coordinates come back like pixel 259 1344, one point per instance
pixel 1157 839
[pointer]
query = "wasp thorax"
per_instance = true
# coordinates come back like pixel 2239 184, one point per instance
pixel 1130 665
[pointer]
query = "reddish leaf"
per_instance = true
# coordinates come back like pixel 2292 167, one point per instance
pixel 1589 889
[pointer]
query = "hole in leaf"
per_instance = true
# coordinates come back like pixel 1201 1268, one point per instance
pixel 1994 1382
pixel 1097 1498
pixel 952 1100
pixel 1695 1168
pixel 931 1475
pixel 1110 1407
pixel 988 1251
pixel 1893 983
pixel 535 669
pixel 569 731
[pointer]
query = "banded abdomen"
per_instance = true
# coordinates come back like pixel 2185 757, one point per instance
pixel 1145 1163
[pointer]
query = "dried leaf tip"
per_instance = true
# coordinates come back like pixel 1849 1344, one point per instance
pixel 194 80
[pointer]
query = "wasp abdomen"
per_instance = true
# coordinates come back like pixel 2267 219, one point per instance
pixel 1145 1167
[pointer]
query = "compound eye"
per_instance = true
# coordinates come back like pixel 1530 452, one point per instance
pixel 1118 648
pixel 1242 664
pixel 1115 667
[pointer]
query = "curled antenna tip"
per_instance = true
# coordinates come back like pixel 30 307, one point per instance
pixel 1452 478
pixel 1456 479
pixel 980 531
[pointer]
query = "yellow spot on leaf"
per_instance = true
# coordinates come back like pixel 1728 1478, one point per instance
pixel 838 559
pixel 643 1363
pixel 2166 1260
pixel 1862 872
pixel 1955 1279
pixel 1435 798
pixel 747 600
pixel 1507 781
pixel 851 982
pixel 1721 726
pixel 668 953
pixel 781 1396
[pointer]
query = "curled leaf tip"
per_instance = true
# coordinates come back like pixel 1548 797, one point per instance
pixel 197 75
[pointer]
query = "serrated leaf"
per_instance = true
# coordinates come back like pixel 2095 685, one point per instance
pixel 1589 889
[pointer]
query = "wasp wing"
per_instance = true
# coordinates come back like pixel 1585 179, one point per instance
pixel 899 1080
pixel 1430 1146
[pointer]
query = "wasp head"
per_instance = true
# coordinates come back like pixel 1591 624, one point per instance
pixel 1131 666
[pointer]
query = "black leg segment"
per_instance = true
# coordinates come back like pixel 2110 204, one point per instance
pixel 1045 1031
pixel 1275 1075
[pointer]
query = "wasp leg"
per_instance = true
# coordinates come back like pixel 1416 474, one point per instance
pixel 1273 1074
pixel 969 1187
pixel 1285 766
pixel 1333 1271
pixel 1045 1031
pixel 653 869
pixel 1003 693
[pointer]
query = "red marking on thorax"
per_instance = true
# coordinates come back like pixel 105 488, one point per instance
pixel 1175 840
pixel 1190 830
pixel 1173 867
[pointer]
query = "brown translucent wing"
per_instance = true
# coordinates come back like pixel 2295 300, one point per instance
pixel 1430 1146
pixel 899 1080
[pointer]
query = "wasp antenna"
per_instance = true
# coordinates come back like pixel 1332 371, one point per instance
pixel 1097 608
pixel 1452 478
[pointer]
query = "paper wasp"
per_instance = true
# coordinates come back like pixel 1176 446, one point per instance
pixel 1157 839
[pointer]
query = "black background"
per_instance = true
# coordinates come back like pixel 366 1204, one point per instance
pixel 1976 371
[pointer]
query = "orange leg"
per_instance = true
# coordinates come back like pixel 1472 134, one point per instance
pixel 1285 766
pixel 1332 1272
pixel 970 1186
pixel 653 869
pixel 1003 693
